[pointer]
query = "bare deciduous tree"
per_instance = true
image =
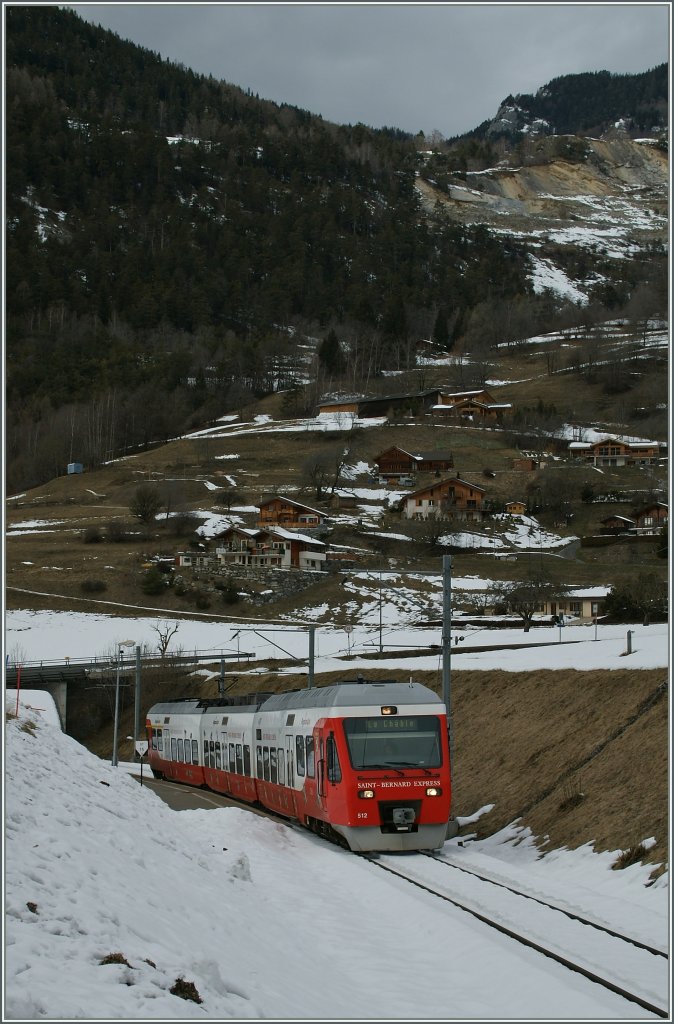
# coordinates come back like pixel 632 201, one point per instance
pixel 165 633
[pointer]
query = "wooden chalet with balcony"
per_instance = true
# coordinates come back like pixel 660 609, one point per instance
pixel 453 498
pixel 291 515
pixel 617 451
pixel 651 518
pixel 273 548
pixel 470 405
pixel 396 462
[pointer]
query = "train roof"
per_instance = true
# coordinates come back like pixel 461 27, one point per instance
pixel 358 693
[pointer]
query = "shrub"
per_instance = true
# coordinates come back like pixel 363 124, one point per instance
pixel 630 856
pixel 153 581
pixel 186 990
pixel 573 795
pixel 230 595
pixel 202 600
pixel 114 958
pixel 92 535
pixel 115 531
pixel 93 586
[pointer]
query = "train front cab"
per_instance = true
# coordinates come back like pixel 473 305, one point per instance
pixel 383 781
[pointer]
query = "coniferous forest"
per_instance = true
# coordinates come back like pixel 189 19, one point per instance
pixel 172 241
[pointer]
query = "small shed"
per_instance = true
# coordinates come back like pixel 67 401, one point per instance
pixel 75 467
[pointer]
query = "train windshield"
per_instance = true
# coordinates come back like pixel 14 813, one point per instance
pixel 407 741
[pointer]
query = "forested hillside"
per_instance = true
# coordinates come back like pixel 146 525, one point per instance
pixel 176 247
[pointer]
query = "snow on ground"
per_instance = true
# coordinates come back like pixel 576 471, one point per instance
pixel 267 922
pixel 385 623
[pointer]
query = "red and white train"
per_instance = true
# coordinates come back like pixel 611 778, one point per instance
pixel 362 763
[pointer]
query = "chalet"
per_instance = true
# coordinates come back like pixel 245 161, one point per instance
pixel 455 497
pixel 616 451
pixel 472 409
pixel 515 508
pixel 395 462
pixel 273 548
pixel 652 518
pixel 584 603
pixel 292 515
pixel 615 524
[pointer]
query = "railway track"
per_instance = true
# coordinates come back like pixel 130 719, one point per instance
pixel 625 966
pixel 622 964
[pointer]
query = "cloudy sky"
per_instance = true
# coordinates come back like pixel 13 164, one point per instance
pixel 419 67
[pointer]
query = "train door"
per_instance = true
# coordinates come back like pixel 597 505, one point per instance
pixel 320 771
pixel 290 772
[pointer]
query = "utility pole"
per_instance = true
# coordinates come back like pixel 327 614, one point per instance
pixel 447 647
pixel 136 713
pixel 381 646
pixel 120 654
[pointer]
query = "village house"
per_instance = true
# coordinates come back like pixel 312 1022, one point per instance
pixel 396 462
pixel 273 548
pixel 615 524
pixel 292 515
pixel 451 498
pixel 515 508
pixel 470 405
pixel 584 603
pixel 617 451
pixel 652 518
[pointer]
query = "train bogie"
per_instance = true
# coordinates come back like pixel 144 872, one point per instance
pixel 365 764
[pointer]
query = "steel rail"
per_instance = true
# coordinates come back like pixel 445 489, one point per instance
pixel 552 906
pixel 523 940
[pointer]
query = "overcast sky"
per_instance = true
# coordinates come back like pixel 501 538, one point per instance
pixel 411 66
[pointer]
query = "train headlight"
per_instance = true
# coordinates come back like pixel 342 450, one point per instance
pixel 433 791
pixel 366 794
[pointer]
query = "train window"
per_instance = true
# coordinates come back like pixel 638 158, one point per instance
pixel 153 741
pixel 188 752
pixel 273 772
pixel 218 755
pixel 265 763
pixel 232 758
pixel 195 751
pixel 246 759
pixel 311 766
pixel 334 769
pixel 174 748
pixel 160 740
pixel 211 747
pixel 299 754
pixel 290 720
pixel 239 759
pixel 403 741
pixel 181 756
pixel 281 766
pixel 258 762
pixel 258 734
